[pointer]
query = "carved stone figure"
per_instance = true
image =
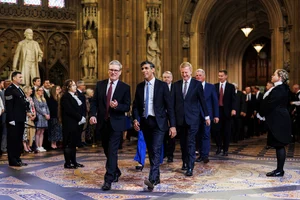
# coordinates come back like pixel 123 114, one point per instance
pixel 88 54
pixel 27 56
pixel 153 53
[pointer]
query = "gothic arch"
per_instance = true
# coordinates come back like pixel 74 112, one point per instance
pixel 9 39
pixel 220 48
pixel 58 50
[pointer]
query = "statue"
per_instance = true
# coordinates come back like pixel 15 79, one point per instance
pixel 88 54
pixel 153 53
pixel 28 54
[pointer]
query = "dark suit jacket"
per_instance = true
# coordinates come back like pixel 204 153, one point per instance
pixel 190 107
pixel 163 104
pixel 117 116
pixel 229 100
pixel 82 98
pixel 274 108
pixel 70 113
pixel 250 104
pixel 16 104
pixel 258 101
pixel 211 100
pixel 240 103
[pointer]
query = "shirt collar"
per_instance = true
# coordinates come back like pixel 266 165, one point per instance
pixel 224 83
pixel 151 81
pixel 277 83
pixel 16 86
pixel 114 82
pixel 188 81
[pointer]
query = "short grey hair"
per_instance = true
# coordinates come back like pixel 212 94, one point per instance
pixel 115 62
pixel 80 82
pixel 201 71
pixel 168 72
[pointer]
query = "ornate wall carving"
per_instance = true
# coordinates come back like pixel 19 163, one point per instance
pixel 38 13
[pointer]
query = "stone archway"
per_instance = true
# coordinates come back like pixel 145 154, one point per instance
pixel 217 42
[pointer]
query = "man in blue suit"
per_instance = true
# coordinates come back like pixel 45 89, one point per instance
pixel 211 99
pixel 154 107
pixel 108 107
pixel 189 100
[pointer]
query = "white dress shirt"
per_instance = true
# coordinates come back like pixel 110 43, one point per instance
pixel 151 95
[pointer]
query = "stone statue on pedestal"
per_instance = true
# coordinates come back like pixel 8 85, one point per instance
pixel 27 56
pixel 153 53
pixel 88 54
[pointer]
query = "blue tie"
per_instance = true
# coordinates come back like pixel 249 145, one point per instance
pixel 147 101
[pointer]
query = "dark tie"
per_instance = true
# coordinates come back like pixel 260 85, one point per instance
pixel 147 100
pixel 221 95
pixel 108 97
pixel 184 89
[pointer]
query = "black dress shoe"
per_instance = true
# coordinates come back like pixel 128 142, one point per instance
pixel 69 166
pixel 22 164
pixel 170 159
pixel 205 160
pixel 15 165
pixel 225 153
pixel 149 184
pixel 139 168
pixel 78 165
pixel 189 172
pixel 106 186
pixel 218 151
pixel 275 173
pixel 117 176
pixel 184 166
pixel 199 159
pixel 156 182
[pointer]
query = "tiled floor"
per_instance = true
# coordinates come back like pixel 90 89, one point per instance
pixel 241 175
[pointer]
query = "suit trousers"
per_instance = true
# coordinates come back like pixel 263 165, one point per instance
pixel 224 132
pixel 14 141
pixel 110 143
pixel 188 143
pixel 154 139
pixel 203 139
pixel 169 145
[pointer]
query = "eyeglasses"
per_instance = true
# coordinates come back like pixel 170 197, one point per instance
pixel 114 70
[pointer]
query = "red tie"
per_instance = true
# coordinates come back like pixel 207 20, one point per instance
pixel 221 96
pixel 108 97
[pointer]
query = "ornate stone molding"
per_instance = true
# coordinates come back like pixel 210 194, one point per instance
pixel 153 16
pixel 90 15
pixel 38 13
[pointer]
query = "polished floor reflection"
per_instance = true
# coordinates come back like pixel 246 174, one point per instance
pixel 241 175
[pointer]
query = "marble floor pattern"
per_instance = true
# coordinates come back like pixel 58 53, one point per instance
pixel 241 175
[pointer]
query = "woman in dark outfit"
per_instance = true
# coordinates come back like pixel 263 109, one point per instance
pixel 71 119
pixel 274 108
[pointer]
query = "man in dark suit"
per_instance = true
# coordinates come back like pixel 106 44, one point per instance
pixel 16 108
pixel 169 142
pixel 189 101
pixel 227 109
pixel 237 133
pixel 258 126
pixel 211 100
pixel 80 93
pixel 250 101
pixel 108 107
pixel 154 107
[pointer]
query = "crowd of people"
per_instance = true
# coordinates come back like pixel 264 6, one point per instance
pixel 190 109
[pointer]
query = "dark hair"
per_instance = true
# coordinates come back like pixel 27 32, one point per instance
pixel 35 79
pixel 224 71
pixel 15 73
pixel 67 85
pixel 147 62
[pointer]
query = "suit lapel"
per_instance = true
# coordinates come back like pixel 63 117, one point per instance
pixel 116 90
pixel 190 86
pixel 155 90
pixel 180 88
pixel 103 88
